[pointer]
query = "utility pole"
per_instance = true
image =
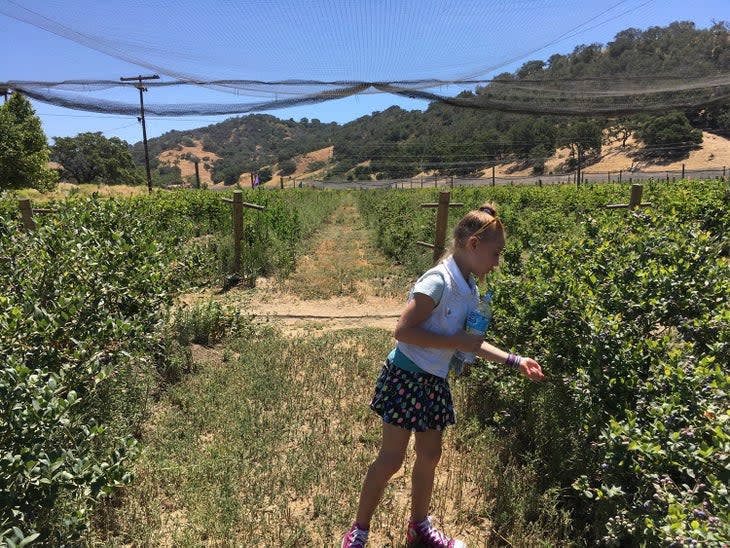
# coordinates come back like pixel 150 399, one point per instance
pixel 142 89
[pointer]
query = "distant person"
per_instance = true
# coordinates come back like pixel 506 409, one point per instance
pixel 412 393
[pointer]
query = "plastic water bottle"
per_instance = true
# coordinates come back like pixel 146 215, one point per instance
pixel 477 323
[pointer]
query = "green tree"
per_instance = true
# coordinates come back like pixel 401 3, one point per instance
pixel 23 148
pixel 166 175
pixel 92 158
pixel 723 121
pixel 529 133
pixel 538 156
pixel 530 69
pixel 670 135
pixel 623 128
pixel 492 144
pixel 583 138
pixel 265 175
pixel 287 167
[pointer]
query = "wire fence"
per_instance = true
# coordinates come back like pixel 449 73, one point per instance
pixel 620 176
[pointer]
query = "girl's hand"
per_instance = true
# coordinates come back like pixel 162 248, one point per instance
pixel 531 369
pixel 468 343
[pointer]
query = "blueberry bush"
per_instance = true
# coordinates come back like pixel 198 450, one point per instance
pixel 628 313
pixel 84 345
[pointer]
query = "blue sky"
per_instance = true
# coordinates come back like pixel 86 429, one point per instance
pixel 390 42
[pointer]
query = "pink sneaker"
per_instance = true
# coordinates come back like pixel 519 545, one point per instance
pixel 424 534
pixel 356 537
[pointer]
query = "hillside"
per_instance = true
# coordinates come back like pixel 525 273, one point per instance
pixel 714 153
pixel 447 140
pixel 180 156
pixel 183 157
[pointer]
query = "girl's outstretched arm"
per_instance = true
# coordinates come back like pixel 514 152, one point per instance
pixel 528 367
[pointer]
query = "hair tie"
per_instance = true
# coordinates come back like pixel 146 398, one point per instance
pixel 487 209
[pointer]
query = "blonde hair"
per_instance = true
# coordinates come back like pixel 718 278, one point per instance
pixel 482 222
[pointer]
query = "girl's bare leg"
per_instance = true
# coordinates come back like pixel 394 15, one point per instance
pixel 428 454
pixel 387 463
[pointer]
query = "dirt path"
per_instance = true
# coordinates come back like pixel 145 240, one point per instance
pixel 341 281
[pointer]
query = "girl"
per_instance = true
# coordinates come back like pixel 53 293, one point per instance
pixel 412 393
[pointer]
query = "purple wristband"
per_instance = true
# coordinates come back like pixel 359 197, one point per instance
pixel 514 361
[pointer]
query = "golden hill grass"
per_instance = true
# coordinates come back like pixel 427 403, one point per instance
pixel 179 157
pixel 714 153
pixel 64 190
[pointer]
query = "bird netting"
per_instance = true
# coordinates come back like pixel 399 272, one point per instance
pixel 264 55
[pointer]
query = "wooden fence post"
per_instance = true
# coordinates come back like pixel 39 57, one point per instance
pixel 237 229
pixel 26 210
pixel 635 200
pixel 442 221
pixel 238 205
pixel 636 192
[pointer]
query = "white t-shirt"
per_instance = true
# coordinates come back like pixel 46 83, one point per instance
pixel 432 284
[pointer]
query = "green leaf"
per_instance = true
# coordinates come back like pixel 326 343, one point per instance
pixel 30 538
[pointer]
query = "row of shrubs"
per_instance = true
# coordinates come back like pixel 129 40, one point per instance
pixel 628 313
pixel 88 335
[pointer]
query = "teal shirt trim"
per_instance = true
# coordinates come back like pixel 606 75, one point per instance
pixel 401 361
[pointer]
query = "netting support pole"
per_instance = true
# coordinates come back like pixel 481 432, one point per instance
pixel 636 192
pixel 142 89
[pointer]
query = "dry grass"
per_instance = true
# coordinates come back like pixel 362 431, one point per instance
pixel 269 449
pixel 64 190
pixel 187 167
pixel 714 153
pixel 341 281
